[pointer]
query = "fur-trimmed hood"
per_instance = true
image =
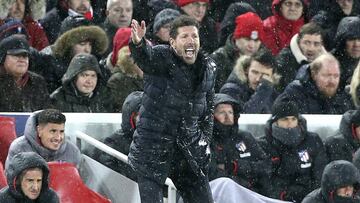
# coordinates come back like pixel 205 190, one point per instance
pixel 296 51
pixel 97 36
pixel 36 8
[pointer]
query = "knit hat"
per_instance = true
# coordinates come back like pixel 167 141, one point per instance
pixel 165 16
pixel 71 22
pixel 249 25
pixel 182 3
pixel 13 45
pixel 120 40
pixel 355 118
pixel 12 26
pixel 283 109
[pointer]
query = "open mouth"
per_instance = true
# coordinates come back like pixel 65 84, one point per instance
pixel 189 52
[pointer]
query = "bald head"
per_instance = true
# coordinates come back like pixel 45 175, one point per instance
pixel 119 12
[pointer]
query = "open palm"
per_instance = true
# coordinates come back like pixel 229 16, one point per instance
pixel 137 31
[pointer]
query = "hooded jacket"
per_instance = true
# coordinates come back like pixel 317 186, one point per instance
pixel 343 144
pixel 310 100
pixel 68 98
pixel 336 174
pixel 30 142
pixel 13 192
pixel 121 139
pixel 296 168
pixel 278 30
pixel 243 159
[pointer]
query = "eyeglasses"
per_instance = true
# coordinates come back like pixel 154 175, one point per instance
pixel 291 4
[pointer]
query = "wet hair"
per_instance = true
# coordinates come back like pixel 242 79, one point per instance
pixel 50 116
pixel 310 29
pixel 264 57
pixel 182 21
pixel 317 64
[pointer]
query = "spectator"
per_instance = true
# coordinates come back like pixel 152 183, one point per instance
pixel 246 40
pixel 346 141
pixel 28 12
pixel 252 82
pixel 298 156
pixel 52 20
pixel 44 134
pixel 127 76
pixel 316 91
pixel 347 48
pixel 21 90
pixel 354 88
pixel 235 153
pixel 339 183
pixel 118 15
pixel 122 138
pixel 287 19
pixel 28 180
pixel 304 48
pixel 197 9
pixel 81 89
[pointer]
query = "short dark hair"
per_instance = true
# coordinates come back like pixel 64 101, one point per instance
pixel 310 29
pixel 50 116
pixel 182 21
pixel 264 56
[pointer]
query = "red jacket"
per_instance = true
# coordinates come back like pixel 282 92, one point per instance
pixel 37 36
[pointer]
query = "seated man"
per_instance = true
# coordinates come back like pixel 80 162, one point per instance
pixel 44 134
pixel 339 183
pixel 344 144
pixel 235 153
pixel 28 179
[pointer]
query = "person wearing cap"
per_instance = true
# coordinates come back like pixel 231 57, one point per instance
pixel 303 49
pixel 126 75
pixel 287 19
pixel 245 41
pixel 235 153
pixel 252 82
pixel 346 141
pixel 316 89
pixel 298 156
pixel 28 180
pixel 339 184
pixel 198 9
pixel 81 89
pixel 21 89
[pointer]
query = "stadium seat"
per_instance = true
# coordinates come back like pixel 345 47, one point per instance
pixel 3 181
pixel 7 135
pixel 66 181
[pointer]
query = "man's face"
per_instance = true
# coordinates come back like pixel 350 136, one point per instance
pixel 164 32
pixel 187 43
pixel 82 48
pixel 346 5
pixel 196 10
pixel 16 65
pixel 311 46
pixel 51 135
pixel 79 6
pixel 353 48
pixel 17 9
pixel 291 9
pixel 247 46
pixel 346 191
pixel 86 82
pixel 256 72
pixel 120 13
pixel 287 122
pixel 31 183
pixel 224 113
pixel 328 78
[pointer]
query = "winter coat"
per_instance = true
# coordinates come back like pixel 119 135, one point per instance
pixel 29 142
pixel 278 30
pixel 110 32
pixel 289 60
pixel 122 138
pixel 243 159
pixel 225 58
pixel 32 96
pixel 296 169
pixel 343 145
pixel 176 106
pixel 308 98
pixel 336 174
pixel 67 98
pixel 258 101
pixel 13 192
pixel 37 36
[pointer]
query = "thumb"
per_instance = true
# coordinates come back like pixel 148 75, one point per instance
pixel 143 26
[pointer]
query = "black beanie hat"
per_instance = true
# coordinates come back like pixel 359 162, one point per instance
pixel 355 118
pixel 163 17
pixel 283 109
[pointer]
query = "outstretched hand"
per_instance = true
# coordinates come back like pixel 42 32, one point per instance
pixel 137 31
